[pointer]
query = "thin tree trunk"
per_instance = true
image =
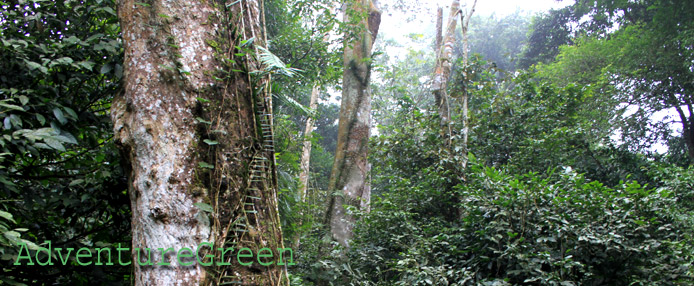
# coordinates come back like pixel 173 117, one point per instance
pixel 689 140
pixel 442 71
pixel 439 28
pixel 306 151
pixel 350 172
pixel 306 156
pixel 687 128
pixel 465 24
pixel 199 150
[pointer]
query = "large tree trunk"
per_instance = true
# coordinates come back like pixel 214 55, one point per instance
pixel 197 136
pixel 349 183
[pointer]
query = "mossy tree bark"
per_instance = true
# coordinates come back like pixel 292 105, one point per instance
pixel 194 124
pixel 349 185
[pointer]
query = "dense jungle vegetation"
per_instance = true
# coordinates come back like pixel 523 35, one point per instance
pixel 559 150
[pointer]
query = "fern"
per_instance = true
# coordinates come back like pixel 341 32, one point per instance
pixel 294 104
pixel 274 64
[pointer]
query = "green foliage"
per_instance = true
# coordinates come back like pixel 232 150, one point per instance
pixel 500 41
pixel 508 219
pixel 547 33
pixel 273 64
pixel 678 180
pixel 296 30
pixel 638 53
pixel 60 64
pixel 523 229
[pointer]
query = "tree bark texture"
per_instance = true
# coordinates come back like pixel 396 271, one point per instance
pixel 197 137
pixel 442 70
pixel 349 180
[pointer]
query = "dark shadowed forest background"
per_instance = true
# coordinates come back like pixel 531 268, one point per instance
pixel 549 148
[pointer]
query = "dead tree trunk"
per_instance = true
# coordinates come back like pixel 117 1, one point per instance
pixel 349 183
pixel 196 132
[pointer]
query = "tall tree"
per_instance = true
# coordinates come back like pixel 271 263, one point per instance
pixel 306 150
pixel 305 163
pixel 349 183
pixel 465 24
pixel 442 70
pixel 641 53
pixel 195 124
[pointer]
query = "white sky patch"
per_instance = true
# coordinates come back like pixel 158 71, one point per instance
pixel 658 116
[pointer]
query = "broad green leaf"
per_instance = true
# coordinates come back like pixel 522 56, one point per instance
pixel 41 119
pixel 12 235
pixel 7 216
pixel 71 40
pixel 204 207
pixel 70 112
pixel 23 99
pixel 34 66
pixel 53 143
pixel 86 64
pixel 66 137
pixel 76 182
pixel 10 106
pixel 62 61
pixel 105 69
pixel 16 121
pixel 59 115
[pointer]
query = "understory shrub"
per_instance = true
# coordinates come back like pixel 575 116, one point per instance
pixel 556 229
